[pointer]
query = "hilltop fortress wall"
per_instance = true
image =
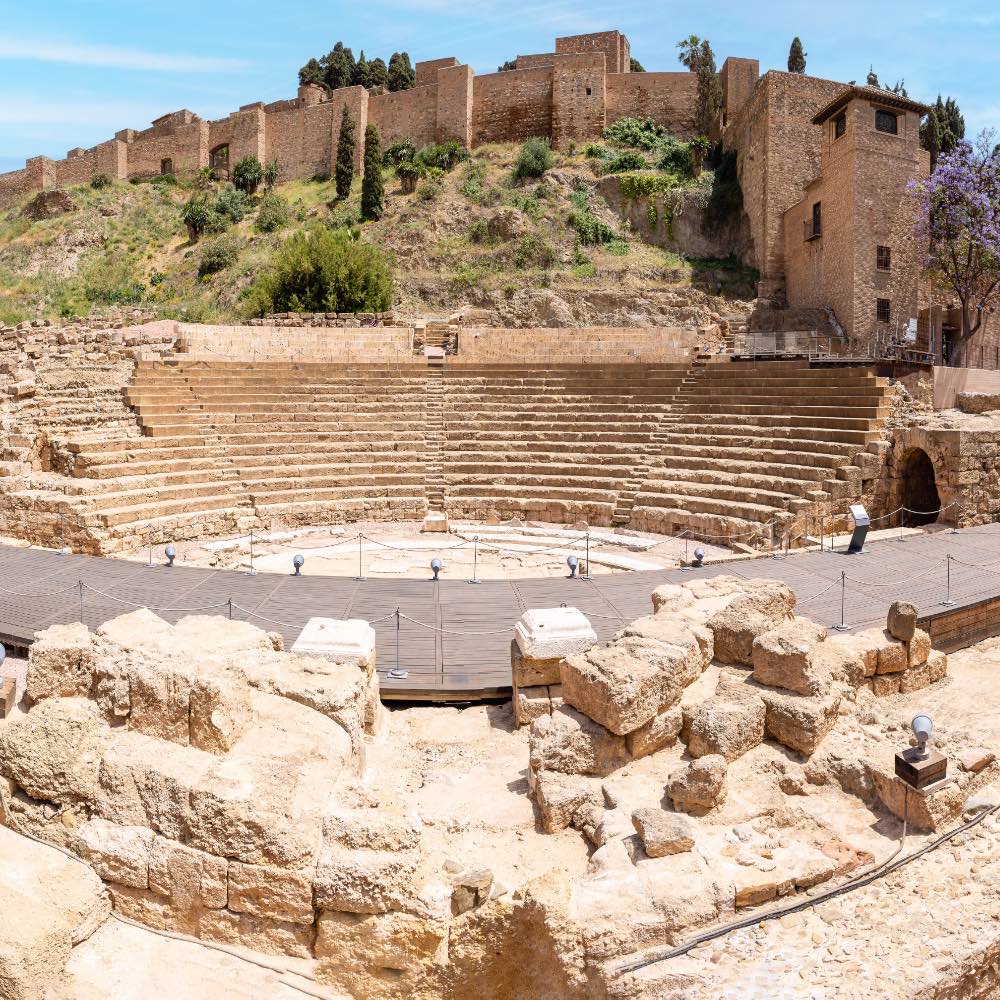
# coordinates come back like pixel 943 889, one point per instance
pixel 569 95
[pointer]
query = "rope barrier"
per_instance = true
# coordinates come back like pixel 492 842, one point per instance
pixel 139 604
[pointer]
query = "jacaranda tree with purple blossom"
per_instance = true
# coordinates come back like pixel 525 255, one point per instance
pixel 961 221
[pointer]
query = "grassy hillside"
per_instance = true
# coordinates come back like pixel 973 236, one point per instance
pixel 546 251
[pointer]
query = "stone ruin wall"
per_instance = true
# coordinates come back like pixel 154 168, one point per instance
pixel 546 95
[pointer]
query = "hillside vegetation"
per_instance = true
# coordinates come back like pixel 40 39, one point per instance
pixel 480 231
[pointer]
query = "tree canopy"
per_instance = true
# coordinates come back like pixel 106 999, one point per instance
pixel 960 204
pixel 796 56
pixel 338 68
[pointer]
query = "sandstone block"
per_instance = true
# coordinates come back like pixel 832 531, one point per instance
pixel 914 678
pixel 220 711
pixel 891 652
pixel 470 888
pixel 571 743
pixel 783 657
pixel 364 881
pixel 884 685
pixel 244 930
pixel 530 703
pixel 700 786
pixel 747 616
pixel 532 673
pixel 565 799
pixel 901 621
pixel 60 663
pixel 918 649
pixel 937 666
pixel 373 829
pixel 728 724
pixel 671 597
pixel 847 658
pixel 664 833
pixel 190 878
pixel 117 853
pixel 660 732
pixel 274 893
pixel 800 722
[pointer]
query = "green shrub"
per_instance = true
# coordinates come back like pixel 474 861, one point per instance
pixel 472 183
pixel 643 133
pixel 624 162
pixel 372 184
pixel 430 187
pixel 165 180
pixel 99 181
pixel 399 153
pixel 533 159
pixel 479 232
pixel 231 202
pixel 675 157
pixel 444 156
pixel 195 215
pixel 726 198
pixel 216 223
pixel 589 228
pixel 271 174
pixel 528 204
pixel 324 270
pixel 248 174
pixel 273 214
pixel 220 253
pixel 594 151
pixel 533 251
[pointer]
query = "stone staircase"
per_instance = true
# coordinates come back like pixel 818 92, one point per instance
pixel 752 446
pixel 436 433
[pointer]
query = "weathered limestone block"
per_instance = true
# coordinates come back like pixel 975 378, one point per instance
pixel 765 605
pixel 571 743
pixel 800 722
pixel 190 878
pixel 543 638
pixel 364 880
pixel 937 666
pixel 470 889
pixel 783 657
pixel 671 630
pixel 700 786
pixel 623 686
pixel 565 799
pixel 729 724
pixel 274 893
pixel 918 648
pixel 671 597
pixel 891 652
pixel 354 950
pixel 54 752
pixel 60 663
pixel 901 621
pixel 914 678
pixel 220 710
pixel 664 833
pixel 350 641
pixel 884 685
pixel 244 930
pixel 847 658
pixel 159 697
pixel 660 732
pixel 374 829
pixel 929 812
pixel 530 703
pixel 117 853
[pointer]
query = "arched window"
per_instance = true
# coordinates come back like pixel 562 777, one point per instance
pixel 218 160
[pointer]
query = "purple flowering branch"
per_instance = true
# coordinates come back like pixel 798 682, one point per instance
pixel 960 222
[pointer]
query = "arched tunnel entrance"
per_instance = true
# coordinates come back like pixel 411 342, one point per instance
pixel 920 495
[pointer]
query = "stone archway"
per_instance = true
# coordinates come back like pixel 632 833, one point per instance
pixel 919 489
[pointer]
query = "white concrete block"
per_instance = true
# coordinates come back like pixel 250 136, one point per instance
pixel 340 641
pixel 553 633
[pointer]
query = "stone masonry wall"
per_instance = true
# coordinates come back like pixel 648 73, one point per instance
pixel 405 114
pixel 668 98
pixel 512 106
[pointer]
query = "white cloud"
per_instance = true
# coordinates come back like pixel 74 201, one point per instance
pixel 110 57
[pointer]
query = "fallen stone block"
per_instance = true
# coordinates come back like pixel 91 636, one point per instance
pixel 530 703
pixel 800 722
pixel 470 888
pixel 914 678
pixel 543 639
pixel 60 663
pixel 671 597
pixel 783 657
pixel 660 732
pixel 730 723
pixel 117 853
pixel 747 616
pixel 918 649
pixel 901 622
pixel 565 799
pixel 700 786
pixel 663 833
pixel 890 652
pixel 571 743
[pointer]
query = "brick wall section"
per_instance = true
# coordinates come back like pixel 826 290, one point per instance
pixel 405 114
pixel 592 345
pixel 512 106
pixel 738 78
pixel 613 44
pixel 185 147
pixel 578 98
pixel 427 71
pixel 778 153
pixel 863 191
pixel 668 98
pixel 454 104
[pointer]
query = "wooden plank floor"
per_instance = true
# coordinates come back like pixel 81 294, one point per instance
pixel 452 638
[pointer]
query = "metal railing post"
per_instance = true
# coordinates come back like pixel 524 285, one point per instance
pixel 842 627
pixel 948 602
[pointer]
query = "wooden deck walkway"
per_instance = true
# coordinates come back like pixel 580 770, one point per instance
pixel 460 649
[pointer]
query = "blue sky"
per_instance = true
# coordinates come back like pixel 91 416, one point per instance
pixel 72 72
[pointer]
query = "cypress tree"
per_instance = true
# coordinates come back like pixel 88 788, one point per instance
pixel 709 102
pixel 362 73
pixel 378 74
pixel 401 73
pixel 372 186
pixel 930 137
pixel 345 155
pixel 796 57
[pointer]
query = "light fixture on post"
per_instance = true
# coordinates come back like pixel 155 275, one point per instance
pixel 171 553
pixel 699 557
pixel 435 569
pixel 298 563
pixel 572 562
